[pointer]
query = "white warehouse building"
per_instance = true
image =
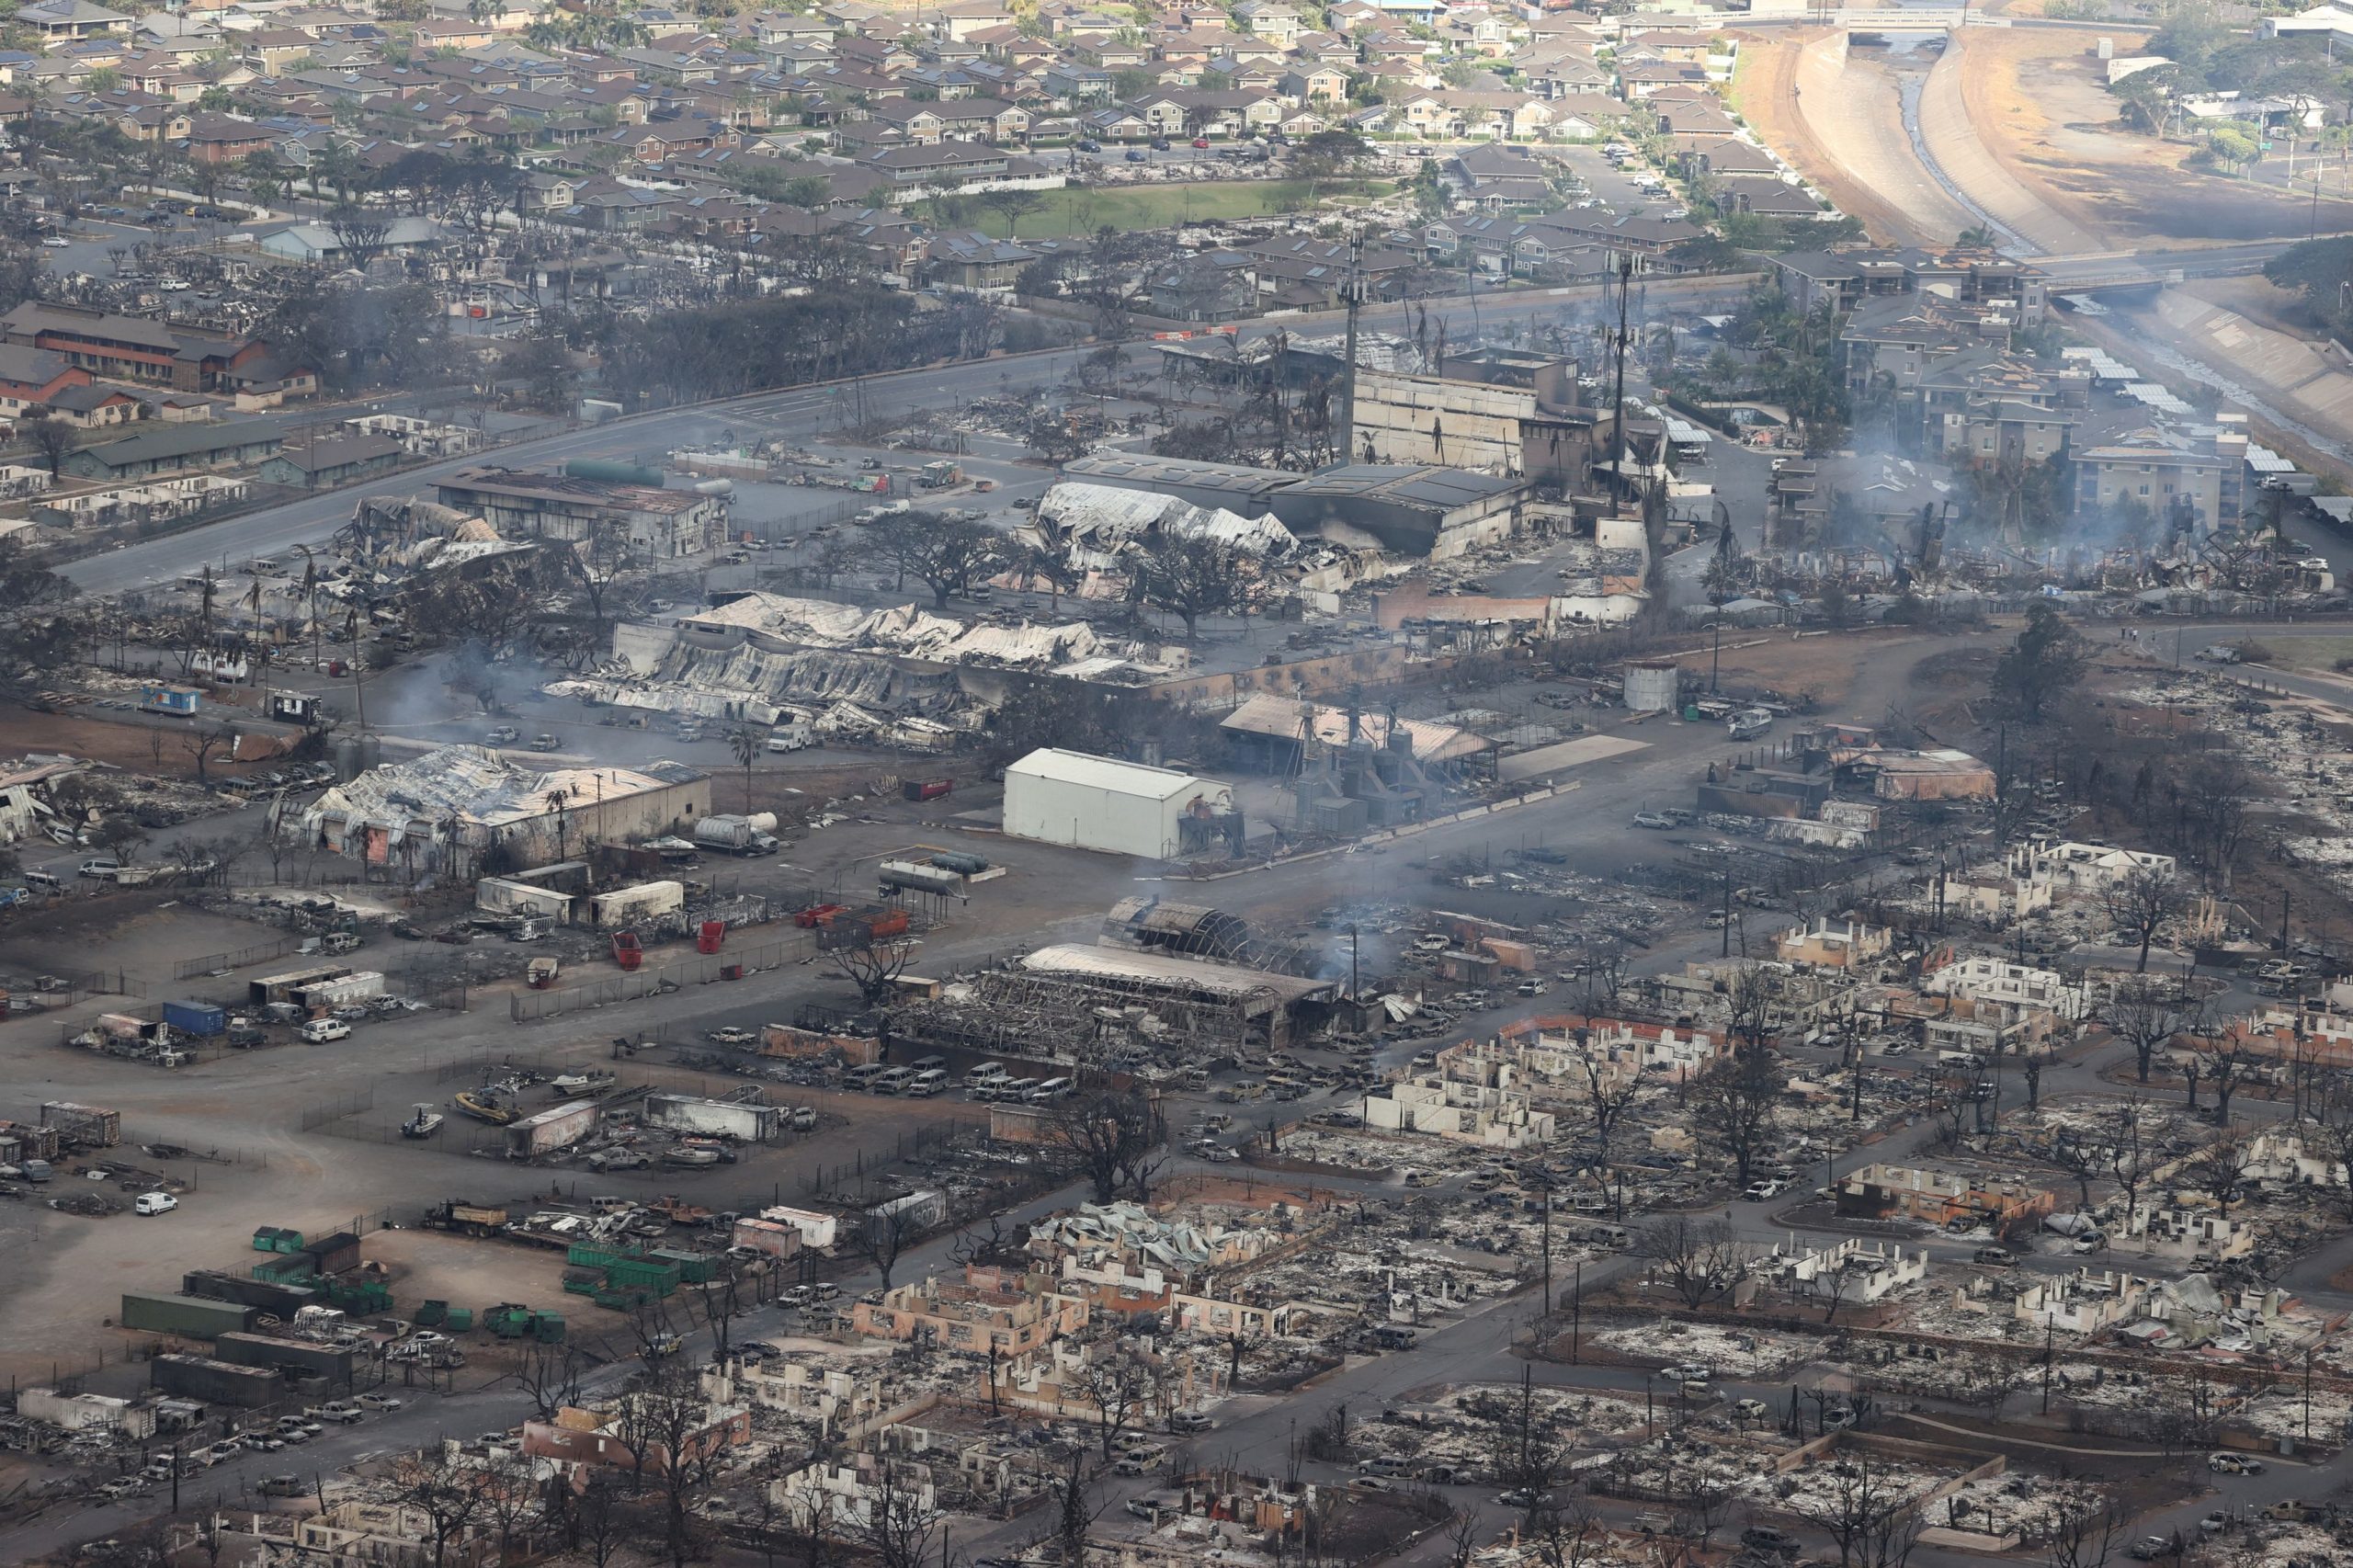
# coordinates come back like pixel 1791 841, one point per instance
pixel 1119 808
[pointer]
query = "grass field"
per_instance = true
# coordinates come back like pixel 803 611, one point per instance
pixel 1136 207
pixel 2319 654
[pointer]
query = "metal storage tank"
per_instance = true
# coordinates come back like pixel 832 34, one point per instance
pixel 1652 685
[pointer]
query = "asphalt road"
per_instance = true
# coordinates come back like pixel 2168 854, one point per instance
pixel 797 412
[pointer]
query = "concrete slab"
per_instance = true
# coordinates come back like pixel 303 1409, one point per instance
pixel 1563 756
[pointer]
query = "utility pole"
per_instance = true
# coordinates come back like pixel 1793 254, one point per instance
pixel 1577 1312
pixel 1618 396
pixel 1548 1257
pixel 1355 293
pixel 2046 1365
pixel 1726 951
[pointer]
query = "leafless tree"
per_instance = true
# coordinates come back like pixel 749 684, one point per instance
pixel 1074 1513
pixel 1568 1534
pixel 722 1303
pixel 1122 1384
pixel 602 1521
pixel 2329 1134
pixel 443 1487
pixel 2142 902
pixel 664 1424
pixel 2084 1532
pixel 512 1502
pixel 901 1526
pixel 2133 1158
pixel 548 1376
pixel 1752 1007
pixel 1110 1136
pixel 1734 1101
pixel 1607 1094
pixel 2143 1013
pixel 2225 1059
pixel 1699 1260
pixel 873 966
pixel 1865 1507
pixel 1601 974
pixel 2221 1164
pixel 881 1236
pixel 1700 1498
pixel 203 741
pixel 1525 1452
pixel 1461 1538
pixel 52 438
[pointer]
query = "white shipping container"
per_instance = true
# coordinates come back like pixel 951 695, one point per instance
pixel 767 1236
pixel 816 1228
pixel 350 988
pixel 625 906
pixel 689 1113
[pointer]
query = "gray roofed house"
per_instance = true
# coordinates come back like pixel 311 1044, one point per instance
pixel 57 19
pixel 341 460
pixel 178 449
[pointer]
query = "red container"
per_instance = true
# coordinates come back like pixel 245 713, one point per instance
pixel 627 951
pixel 712 934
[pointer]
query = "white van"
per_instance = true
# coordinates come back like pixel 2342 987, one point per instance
pixel 154 1203
pixel 1051 1089
pixel 318 1031
pixel 862 1077
pixel 987 1072
pixel 923 1085
pixel 793 736
pixel 891 1080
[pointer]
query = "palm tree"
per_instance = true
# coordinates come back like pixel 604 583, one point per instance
pixel 556 802
pixel 747 741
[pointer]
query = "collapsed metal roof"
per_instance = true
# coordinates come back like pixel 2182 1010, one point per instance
pixel 1093 522
pixel 475 786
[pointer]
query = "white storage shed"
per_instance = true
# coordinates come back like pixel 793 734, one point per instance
pixel 1095 802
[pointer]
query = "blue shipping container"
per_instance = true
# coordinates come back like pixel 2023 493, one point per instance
pixel 197 1017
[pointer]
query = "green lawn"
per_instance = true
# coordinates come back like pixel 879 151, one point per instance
pixel 2319 654
pixel 1132 207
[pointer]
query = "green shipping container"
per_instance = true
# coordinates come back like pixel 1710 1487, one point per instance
pixel 431 1314
pixel 693 1267
pixel 549 1329
pixel 583 1254
pixel 460 1319
pixel 191 1316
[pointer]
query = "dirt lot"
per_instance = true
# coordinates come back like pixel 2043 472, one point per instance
pixel 2037 101
pixel 160 749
